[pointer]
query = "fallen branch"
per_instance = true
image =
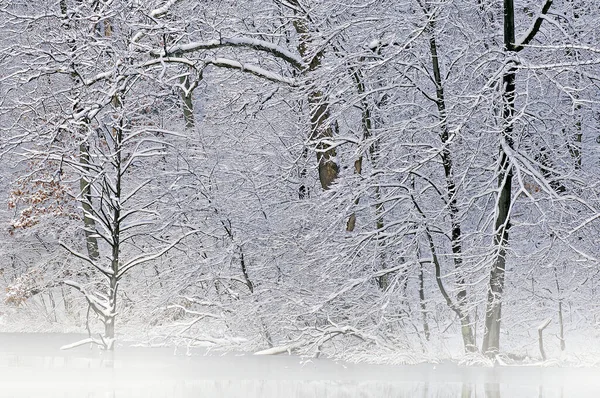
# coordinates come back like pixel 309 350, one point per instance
pixel 282 349
pixel 83 342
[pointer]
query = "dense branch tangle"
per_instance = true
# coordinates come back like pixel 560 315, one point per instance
pixel 443 123
pixel 305 62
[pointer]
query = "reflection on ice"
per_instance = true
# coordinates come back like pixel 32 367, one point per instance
pixel 35 367
pixel 281 388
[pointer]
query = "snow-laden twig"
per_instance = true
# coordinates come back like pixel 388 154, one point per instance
pixel 351 284
pixel 155 13
pixel 149 257
pixel 99 305
pixel 252 69
pixel 160 11
pixel 106 271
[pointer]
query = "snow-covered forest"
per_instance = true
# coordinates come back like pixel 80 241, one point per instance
pixel 369 179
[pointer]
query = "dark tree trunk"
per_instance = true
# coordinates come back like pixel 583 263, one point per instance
pixel 493 315
pixel 426 330
pixel 187 91
pixel 109 321
pixel 321 127
pixel 460 307
pixel 461 296
pixel 86 202
pixel 84 159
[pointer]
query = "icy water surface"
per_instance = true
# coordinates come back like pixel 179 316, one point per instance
pixel 32 366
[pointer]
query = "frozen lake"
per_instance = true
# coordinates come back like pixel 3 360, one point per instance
pixel 31 365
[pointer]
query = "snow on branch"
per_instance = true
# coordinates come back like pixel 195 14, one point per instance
pixel 107 272
pixel 131 195
pixel 282 348
pixel 156 13
pixel 164 60
pixel 261 45
pixel 569 64
pixel 523 163
pixel 253 69
pixel 584 223
pixel 317 338
pixel 204 340
pixel 101 308
pixel 353 283
pixel 162 10
pixel 153 256
pixel 534 29
pixel 89 340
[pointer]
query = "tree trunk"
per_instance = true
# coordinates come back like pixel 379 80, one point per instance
pixel 369 122
pixel 460 307
pixel 115 203
pixel 575 146
pixel 84 184
pixel 86 202
pixel 561 326
pixel 493 316
pixel 466 327
pixel 187 92
pixel 468 335
pixel 367 125
pixel 321 127
pixel 426 330
pixel 109 320
pixel 303 190
pixel 541 338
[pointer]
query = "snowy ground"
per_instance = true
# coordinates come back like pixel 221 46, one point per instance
pixel 31 365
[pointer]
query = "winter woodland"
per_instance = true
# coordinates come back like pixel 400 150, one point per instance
pixel 367 179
